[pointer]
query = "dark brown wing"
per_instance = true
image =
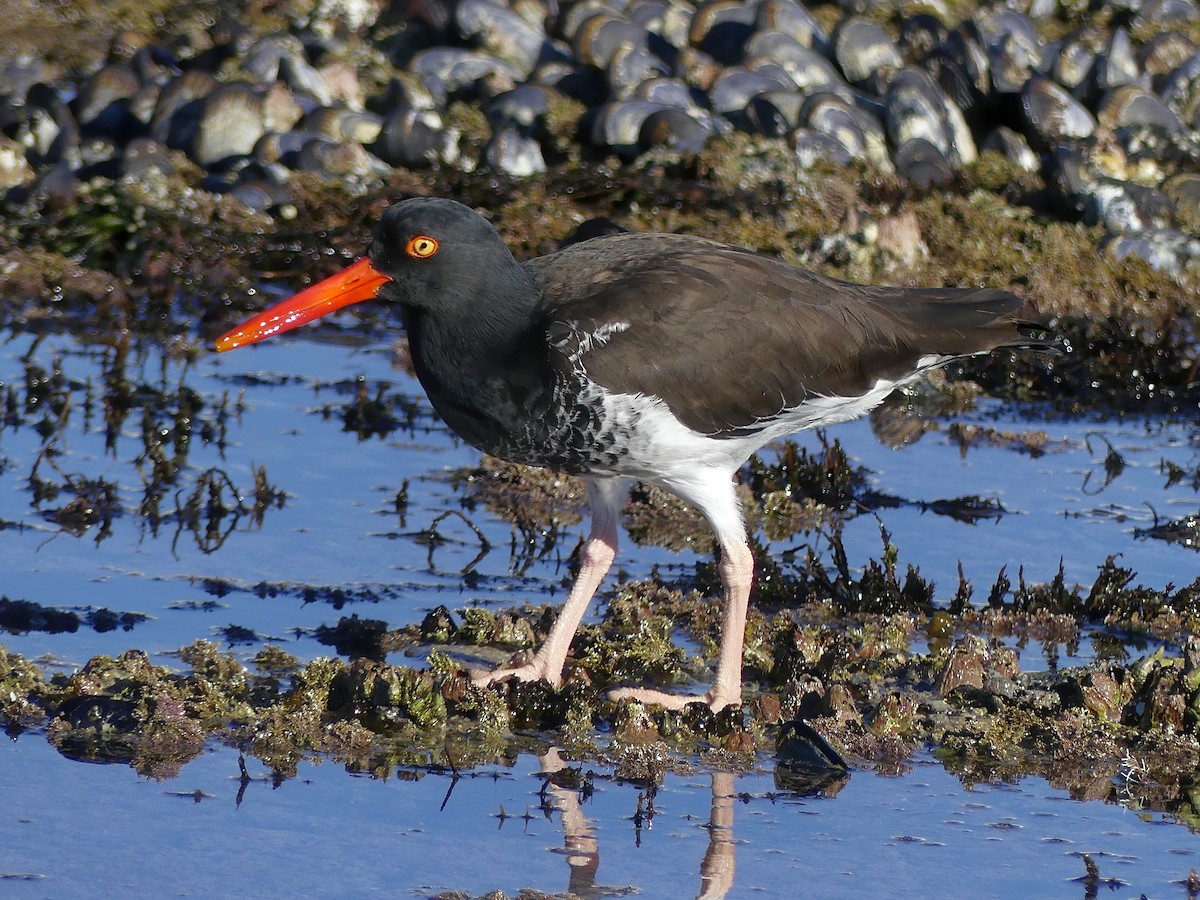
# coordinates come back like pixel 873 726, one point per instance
pixel 727 337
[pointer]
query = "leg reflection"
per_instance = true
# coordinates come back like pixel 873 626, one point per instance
pixel 720 861
pixel 583 854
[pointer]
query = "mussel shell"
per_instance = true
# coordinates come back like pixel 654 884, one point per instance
pixel 1183 190
pixel 675 128
pixel 15 170
pixel 775 113
pixel 805 67
pixel 859 132
pixel 923 164
pixel 1073 66
pixel 812 147
pixel 502 33
pixel 920 35
pixel 721 29
pixel 178 108
pixel 1012 146
pixel 1052 115
pixel 229 122
pixel 514 153
pixel 731 92
pixel 630 66
pixel 451 72
pixel 669 91
pixel 1130 106
pixel 862 49
pixel 1181 90
pixel 1163 53
pixel 413 138
pixel 917 108
pixel 600 37
pixel 1124 207
pixel 102 106
pixel 617 126
pixel 522 109
pixel 793 20
pixel 339 123
pixel 1117 65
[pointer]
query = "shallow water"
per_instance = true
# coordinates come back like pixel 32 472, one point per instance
pixel 329 833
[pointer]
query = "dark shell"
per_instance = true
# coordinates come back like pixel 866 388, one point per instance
pixel 917 108
pixel 860 133
pixel 776 113
pixel 1073 65
pixel 1181 90
pixel 102 107
pixel 449 72
pixel 1052 115
pixel 920 35
pixel 730 94
pixel 1117 65
pixel 1130 106
pixel 178 108
pixel 805 67
pixel 339 123
pixel 1123 207
pixel 630 66
pixel 1167 250
pixel 677 129
pixel 502 33
pixel 523 108
pixel 617 126
pixel 229 123
pixel 514 153
pixel 600 36
pixel 670 91
pixel 793 20
pixel 1012 146
pixel 863 49
pixel 414 138
pixel 1164 53
pixel 923 164
pixel 721 29
pixel 812 147
pixel 1183 190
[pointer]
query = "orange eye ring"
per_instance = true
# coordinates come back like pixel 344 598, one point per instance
pixel 421 246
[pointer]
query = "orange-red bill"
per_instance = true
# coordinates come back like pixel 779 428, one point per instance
pixel 359 282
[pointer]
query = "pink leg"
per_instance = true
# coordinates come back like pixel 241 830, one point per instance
pixel 712 491
pixel 606 496
pixel 737 575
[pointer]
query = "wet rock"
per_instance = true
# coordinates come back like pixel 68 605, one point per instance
pixel 965 666
pixel 1166 249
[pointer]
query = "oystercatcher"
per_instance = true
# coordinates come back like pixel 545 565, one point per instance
pixel 663 358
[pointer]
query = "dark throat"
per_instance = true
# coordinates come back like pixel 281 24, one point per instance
pixel 484 361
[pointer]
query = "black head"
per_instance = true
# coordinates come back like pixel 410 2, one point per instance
pixel 438 254
pixel 437 258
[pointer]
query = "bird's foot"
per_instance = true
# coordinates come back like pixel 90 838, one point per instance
pixel 535 670
pixel 650 696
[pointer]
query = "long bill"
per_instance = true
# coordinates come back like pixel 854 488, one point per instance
pixel 354 284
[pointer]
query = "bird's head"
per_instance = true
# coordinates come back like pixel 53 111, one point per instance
pixel 428 254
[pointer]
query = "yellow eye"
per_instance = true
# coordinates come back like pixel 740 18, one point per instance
pixel 421 247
